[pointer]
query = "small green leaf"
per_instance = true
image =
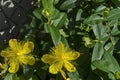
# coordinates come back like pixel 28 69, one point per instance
pixel 55 15
pixel 55 34
pixel 100 32
pixel 98 51
pixel 109 48
pixel 11 77
pixel 46 28
pixel 108 63
pixel 78 15
pixel 94 18
pixel 61 20
pixel 37 13
pixel 63 39
pixel 102 65
pixel 114 14
pixel 68 4
pixel 115 30
pixel 74 76
pixel 55 1
pixel 111 76
pixel 100 8
pixel 47 4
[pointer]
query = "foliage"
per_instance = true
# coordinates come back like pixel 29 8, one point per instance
pixel 90 27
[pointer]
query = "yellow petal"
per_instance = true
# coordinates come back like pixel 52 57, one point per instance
pixel 71 55
pixel 55 68
pixel 14 45
pixel 63 74
pixel 27 59
pixel 14 66
pixel 50 59
pixel 69 66
pixel 68 79
pixel 7 53
pixel 117 75
pixel 58 50
pixel 28 47
pixel 1 67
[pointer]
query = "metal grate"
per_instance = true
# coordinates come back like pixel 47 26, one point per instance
pixel 12 16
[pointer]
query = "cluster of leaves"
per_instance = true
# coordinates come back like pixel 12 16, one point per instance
pixel 88 26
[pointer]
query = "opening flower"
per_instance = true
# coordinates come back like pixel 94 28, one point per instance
pixel 18 53
pixel 59 57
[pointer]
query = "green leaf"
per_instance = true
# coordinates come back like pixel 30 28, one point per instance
pixel 114 40
pixel 55 15
pixel 93 19
pixel 11 77
pixel 78 15
pixel 100 8
pixel 68 4
pixel 61 20
pixel 114 14
pixel 100 32
pixel 98 51
pixel 46 28
pixel 111 76
pixel 55 1
pixel 37 13
pixel 74 76
pixel 55 34
pixel 47 4
pixel 109 48
pixel 63 39
pixel 107 64
pixel 102 65
pixel 115 30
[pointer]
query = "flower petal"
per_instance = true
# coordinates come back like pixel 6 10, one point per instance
pixel 63 74
pixel 56 67
pixel 71 55
pixel 58 50
pixel 70 67
pixel 14 66
pixel 27 59
pixel 50 59
pixel 7 53
pixel 14 45
pixel 27 48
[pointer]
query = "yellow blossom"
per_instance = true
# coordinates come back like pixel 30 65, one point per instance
pixel 60 57
pixel 117 74
pixel 18 53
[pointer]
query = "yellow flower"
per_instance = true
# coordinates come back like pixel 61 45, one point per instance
pixel 60 57
pixel 18 53
pixel 1 66
pixel 117 74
